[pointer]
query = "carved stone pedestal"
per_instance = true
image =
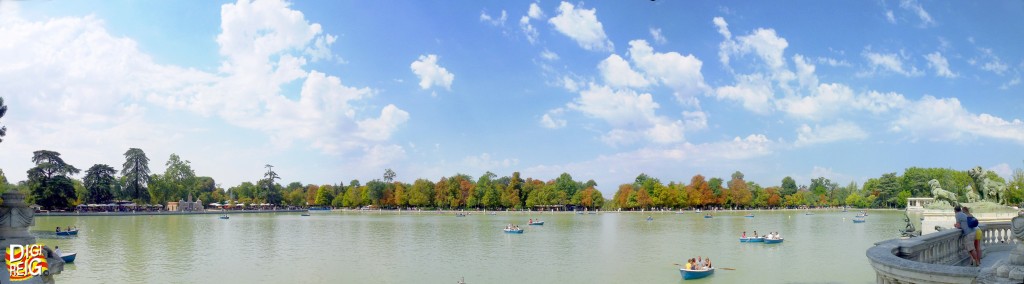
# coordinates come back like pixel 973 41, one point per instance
pixel 15 219
pixel 1013 268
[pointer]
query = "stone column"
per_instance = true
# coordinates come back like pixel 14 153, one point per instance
pixel 15 219
pixel 1013 269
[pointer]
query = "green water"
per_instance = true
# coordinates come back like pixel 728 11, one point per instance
pixel 335 247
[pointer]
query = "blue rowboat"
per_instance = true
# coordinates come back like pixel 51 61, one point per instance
pixel 749 216
pixel 773 241
pixel 68 257
pixel 68 233
pixel 511 231
pixel 304 214
pixel 756 240
pixel 224 217
pixel 696 274
pixel 859 220
pixel 537 223
pixel 707 216
pixel 745 240
pixel 650 218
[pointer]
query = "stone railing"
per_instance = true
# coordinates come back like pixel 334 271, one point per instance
pixel 935 258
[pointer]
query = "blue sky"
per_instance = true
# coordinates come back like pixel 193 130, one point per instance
pixel 331 91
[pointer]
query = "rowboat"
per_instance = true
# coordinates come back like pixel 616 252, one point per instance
pixel 859 220
pixel 707 217
pixel 512 231
pixel 649 218
pixel 460 215
pixel 696 274
pixel 68 233
pixel 304 215
pixel 68 257
pixel 749 216
pixel 752 240
pixel 224 217
pixel 773 241
pixel 537 223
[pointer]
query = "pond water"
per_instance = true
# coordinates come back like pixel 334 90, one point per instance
pixel 385 247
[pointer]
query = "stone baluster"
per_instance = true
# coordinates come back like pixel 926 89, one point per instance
pixel 1013 269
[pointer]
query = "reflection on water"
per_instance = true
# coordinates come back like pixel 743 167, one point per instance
pixel 430 248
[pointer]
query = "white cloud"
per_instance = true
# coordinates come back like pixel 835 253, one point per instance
pixel 940 64
pixel 695 120
pixel 1002 169
pixel 1013 82
pixel 104 92
pixel 528 30
pixel 552 119
pixel 657 36
pixel 681 73
pixel 833 62
pixel 617 73
pixel 535 12
pixel 754 91
pixel 569 84
pixel 992 62
pixel 945 119
pixel 380 129
pixel 631 115
pixel 582 26
pixel 914 7
pixel 499 21
pixel 430 73
pixel 890 17
pixel 890 62
pixel 723 27
pixel 807 135
pixel 548 55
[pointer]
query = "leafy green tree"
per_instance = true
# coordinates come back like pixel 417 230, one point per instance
pixel 324 196
pixel 375 191
pixel 739 194
pixel 510 197
pixel 180 178
pixel 136 172
pixel 49 182
pixel 338 201
pixel 889 187
pixel 788 186
pixel 268 188
pixel 389 175
pixel 99 183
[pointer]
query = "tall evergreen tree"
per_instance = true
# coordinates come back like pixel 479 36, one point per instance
pixel 136 174
pixel 99 184
pixel 49 182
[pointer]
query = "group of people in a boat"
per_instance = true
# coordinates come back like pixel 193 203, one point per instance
pixel 531 221
pixel 698 264
pixel 70 228
pixel 770 235
pixel 512 227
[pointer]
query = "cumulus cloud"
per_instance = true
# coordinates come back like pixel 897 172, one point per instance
pixel 548 55
pixel 617 73
pixel 535 12
pixel 630 114
pixel 944 119
pixel 754 91
pixel 888 62
pixel 528 30
pixel 484 162
pixel 582 26
pixel 807 135
pixel 430 73
pixel 105 91
pixel 939 63
pixel 679 72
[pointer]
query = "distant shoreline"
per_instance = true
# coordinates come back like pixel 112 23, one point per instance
pixel 142 213
pixel 523 212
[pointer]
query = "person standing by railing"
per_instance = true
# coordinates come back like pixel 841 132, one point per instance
pixel 977 231
pixel 966 230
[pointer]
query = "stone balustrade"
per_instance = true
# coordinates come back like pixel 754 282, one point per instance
pixel 935 258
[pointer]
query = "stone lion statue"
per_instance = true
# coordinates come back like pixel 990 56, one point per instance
pixel 972 196
pixel 942 194
pixel 990 189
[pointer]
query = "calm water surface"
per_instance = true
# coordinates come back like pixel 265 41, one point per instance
pixel 339 247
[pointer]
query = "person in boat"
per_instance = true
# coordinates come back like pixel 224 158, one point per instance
pixel 56 250
pixel 689 264
pixel 58 229
pixel 531 221
pixel 744 234
pixel 755 234
pixel 707 260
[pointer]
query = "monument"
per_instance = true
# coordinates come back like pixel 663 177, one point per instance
pixel 985 198
pixel 15 219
